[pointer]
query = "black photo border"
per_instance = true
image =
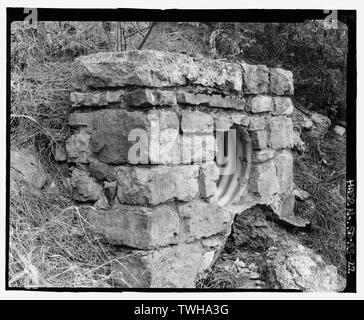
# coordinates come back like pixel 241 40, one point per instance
pixel 227 15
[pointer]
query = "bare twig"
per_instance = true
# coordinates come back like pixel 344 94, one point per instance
pixel 147 35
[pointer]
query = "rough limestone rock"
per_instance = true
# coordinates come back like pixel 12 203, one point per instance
pixel 297 267
pixel 263 179
pixel 321 125
pixel 26 165
pixel 219 74
pixel 78 148
pixel 151 186
pixel 281 81
pixel 261 104
pixel 143 155
pixel 283 263
pixel 301 195
pixel 209 175
pixel 140 68
pixel 86 187
pixel 170 267
pixel 146 97
pixel 339 130
pixel 281 132
pixel 256 78
pixel 96 98
pixel 195 121
pixel 217 101
pixel 152 227
pixel 283 105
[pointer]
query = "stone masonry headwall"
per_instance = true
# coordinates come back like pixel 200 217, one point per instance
pixel 143 155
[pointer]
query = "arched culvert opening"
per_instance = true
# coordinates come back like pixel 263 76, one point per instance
pixel 233 159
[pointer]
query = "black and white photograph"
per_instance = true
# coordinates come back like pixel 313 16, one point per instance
pixel 152 150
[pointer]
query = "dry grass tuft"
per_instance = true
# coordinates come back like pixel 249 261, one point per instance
pixel 40 105
pixel 327 185
pixel 52 245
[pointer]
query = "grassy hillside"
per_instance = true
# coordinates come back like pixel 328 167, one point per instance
pixel 50 243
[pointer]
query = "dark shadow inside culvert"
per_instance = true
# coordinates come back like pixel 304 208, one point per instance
pixel 233 158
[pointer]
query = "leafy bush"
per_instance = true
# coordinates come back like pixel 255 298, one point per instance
pixel 315 54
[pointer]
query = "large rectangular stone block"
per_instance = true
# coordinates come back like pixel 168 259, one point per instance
pixel 135 67
pixel 96 98
pixel 170 267
pixel 121 136
pixel 202 219
pixel 263 155
pixel 216 101
pixel 283 105
pixel 259 139
pixel 256 79
pixel 281 81
pixel 148 228
pixel 261 104
pixel 197 121
pixel 220 74
pixel 157 184
pixel 284 168
pixel 209 175
pixel 257 123
pixel 263 179
pixel 196 148
pixel 281 132
pixel 137 226
pixel 78 149
pixel 150 97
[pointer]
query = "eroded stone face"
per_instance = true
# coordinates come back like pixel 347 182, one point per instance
pixel 151 186
pixel 145 158
pixel 256 78
pixel 281 81
pixel 140 68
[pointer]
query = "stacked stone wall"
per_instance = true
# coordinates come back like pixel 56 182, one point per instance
pixel 143 154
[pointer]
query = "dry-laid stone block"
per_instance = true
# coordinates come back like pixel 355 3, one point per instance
pixel 284 169
pixel 78 149
pixel 59 154
pixel 102 171
pixel 110 190
pixel 220 74
pixel 135 67
pixel 215 101
pixel 259 139
pixel 163 225
pixel 263 155
pixel 263 179
pixel 260 104
pixel 209 175
pixel 197 148
pixel 281 81
pixel 225 121
pixel 257 123
pixel 85 187
pixel 283 105
pixel 28 166
pixel 83 120
pixel 98 98
pixel 137 226
pixel 196 121
pixel 256 79
pixel 158 184
pixel 202 219
pixel 150 97
pixel 121 136
pixel 170 267
pixel 281 132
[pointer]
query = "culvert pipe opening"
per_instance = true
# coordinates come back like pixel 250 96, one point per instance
pixel 233 159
